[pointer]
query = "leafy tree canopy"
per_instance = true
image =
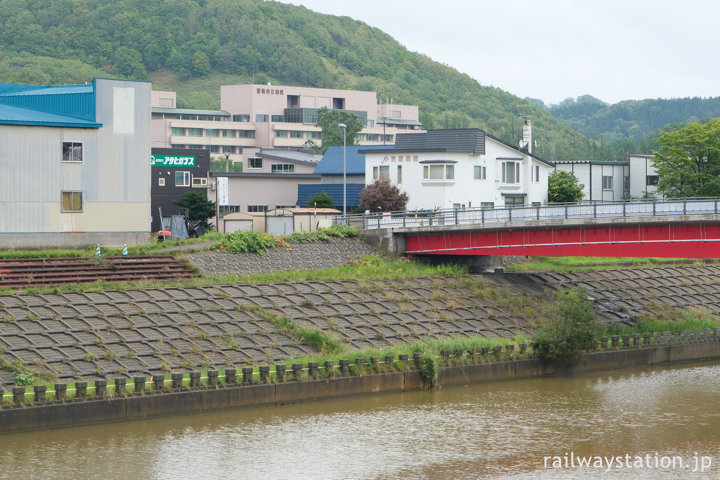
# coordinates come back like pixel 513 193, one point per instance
pixel 220 164
pixel 321 200
pixel 688 161
pixel 199 208
pixel 564 187
pixel 332 134
pixel 382 197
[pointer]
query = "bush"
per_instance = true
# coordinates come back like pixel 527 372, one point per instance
pixel 247 242
pixel 570 330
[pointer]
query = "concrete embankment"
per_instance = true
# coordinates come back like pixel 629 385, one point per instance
pixel 235 392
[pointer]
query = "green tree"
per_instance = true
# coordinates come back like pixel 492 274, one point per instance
pixel 219 164
pixel 321 200
pixel 199 209
pixel 564 187
pixel 128 63
pixel 382 197
pixel 688 161
pixel 200 64
pixel 332 135
pixel 570 330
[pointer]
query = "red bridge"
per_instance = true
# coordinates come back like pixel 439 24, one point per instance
pixel 685 228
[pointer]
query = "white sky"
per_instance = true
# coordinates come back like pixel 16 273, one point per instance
pixel 554 49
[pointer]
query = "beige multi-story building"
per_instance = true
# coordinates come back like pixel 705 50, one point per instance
pixel 267 116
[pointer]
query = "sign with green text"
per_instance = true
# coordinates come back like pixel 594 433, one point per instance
pixel 172 160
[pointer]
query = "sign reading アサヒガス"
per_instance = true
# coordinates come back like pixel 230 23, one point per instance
pixel 172 160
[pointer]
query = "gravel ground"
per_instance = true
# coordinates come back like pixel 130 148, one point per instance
pixel 303 256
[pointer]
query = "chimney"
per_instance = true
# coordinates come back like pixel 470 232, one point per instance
pixel 527 135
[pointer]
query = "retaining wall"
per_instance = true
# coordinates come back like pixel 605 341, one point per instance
pixel 178 398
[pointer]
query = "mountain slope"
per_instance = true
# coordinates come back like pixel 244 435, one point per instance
pixel 193 47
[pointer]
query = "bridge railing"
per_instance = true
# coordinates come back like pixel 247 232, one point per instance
pixel 539 213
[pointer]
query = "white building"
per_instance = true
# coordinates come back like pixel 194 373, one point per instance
pixel 602 181
pixel 75 166
pixel 460 168
pixel 643 176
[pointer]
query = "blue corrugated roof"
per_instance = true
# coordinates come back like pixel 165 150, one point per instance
pixel 42 105
pixel 335 190
pixel 332 161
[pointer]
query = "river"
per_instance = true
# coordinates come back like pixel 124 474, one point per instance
pixel 647 421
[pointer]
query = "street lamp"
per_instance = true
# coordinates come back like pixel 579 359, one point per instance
pixel 344 129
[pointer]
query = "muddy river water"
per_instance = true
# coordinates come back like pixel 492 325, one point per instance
pixel 660 423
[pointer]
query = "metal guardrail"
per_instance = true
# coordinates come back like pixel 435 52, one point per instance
pixel 480 216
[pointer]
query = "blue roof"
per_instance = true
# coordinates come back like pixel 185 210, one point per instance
pixel 42 105
pixel 332 161
pixel 335 190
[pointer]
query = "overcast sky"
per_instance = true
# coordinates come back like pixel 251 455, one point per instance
pixel 554 49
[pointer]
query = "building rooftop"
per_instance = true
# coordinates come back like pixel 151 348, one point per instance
pixel 332 161
pixel 52 106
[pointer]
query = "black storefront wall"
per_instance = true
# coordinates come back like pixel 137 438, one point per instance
pixel 165 164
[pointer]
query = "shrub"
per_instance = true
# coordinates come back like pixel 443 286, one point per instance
pixel 570 330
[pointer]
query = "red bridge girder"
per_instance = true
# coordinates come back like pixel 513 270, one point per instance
pixel 670 240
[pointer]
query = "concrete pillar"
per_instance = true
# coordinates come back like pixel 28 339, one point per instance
pixel 100 389
pixel 668 338
pixel 614 339
pixel 158 383
pixel 313 370
pixel 375 362
pixel 120 387
pixel 717 334
pixel 636 340
pixel 297 370
pixel 194 379
pixel 280 372
pixel 485 351
pixel 247 373
pixel 80 391
pixel 139 382
pixel 177 379
pixel 509 349
pixel 389 362
pixel 626 340
pixel 416 360
pixel 213 378
pixel 707 336
pixel 523 348
pixel 18 396
pixel 60 392
pixel 697 338
pixel 231 377
pixel 360 364
pixel 497 352
pixel 676 341
pixel 329 368
pixel 264 373
pixel 40 393
pixel 646 339
pixel 344 367
pixel 603 343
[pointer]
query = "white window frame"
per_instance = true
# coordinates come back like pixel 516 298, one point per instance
pixel 72 152
pixel 381 172
pixel 71 194
pixel 438 172
pixel 185 182
pixel 536 173
pixel 480 172
pixel 510 172
pixel 199 182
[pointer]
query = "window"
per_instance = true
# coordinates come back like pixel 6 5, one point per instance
pixel 282 168
pixel 257 208
pixel 277 118
pixel 177 131
pixel 480 172
pixel 296 134
pixel 228 133
pixel 213 148
pixel 254 162
pixel 652 180
pixel 246 133
pixel 182 179
pixel 513 201
pixel 245 117
pixel 261 117
pixel 315 134
pixel 72 201
pixel 161 181
pixel 371 137
pixel 607 182
pixel 510 172
pixel 194 132
pixel 487 205
pixel 281 133
pixel 227 209
pixel 72 152
pixel 228 149
pixel 199 181
pixel 438 172
pixel 536 173
pixel 387 138
pixel 211 132
pixel 381 173
pixel 458 206
pixel 399 175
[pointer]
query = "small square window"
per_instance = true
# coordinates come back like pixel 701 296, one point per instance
pixel 72 152
pixel 72 201
pixel 182 179
pixel 254 162
pixel 161 181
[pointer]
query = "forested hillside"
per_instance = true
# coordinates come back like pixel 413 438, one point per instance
pixel 636 120
pixel 193 47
